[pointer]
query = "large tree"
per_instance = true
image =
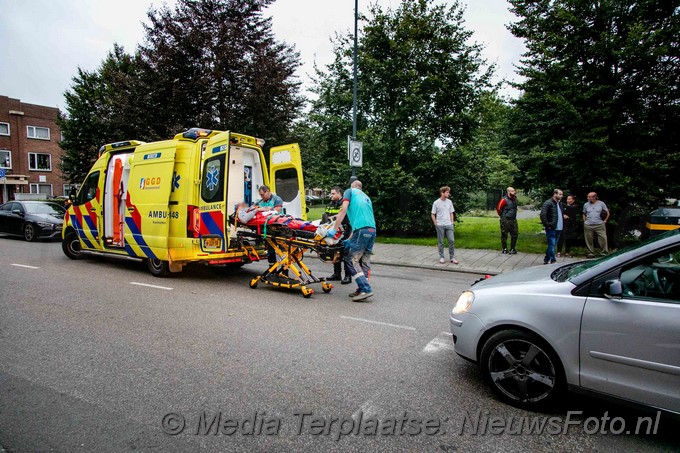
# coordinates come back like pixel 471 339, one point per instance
pixel 101 108
pixel 216 64
pixel 205 63
pixel 419 80
pixel 601 101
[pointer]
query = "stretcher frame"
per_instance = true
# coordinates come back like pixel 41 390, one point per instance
pixel 290 246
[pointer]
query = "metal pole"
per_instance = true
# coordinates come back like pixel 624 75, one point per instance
pixel 354 100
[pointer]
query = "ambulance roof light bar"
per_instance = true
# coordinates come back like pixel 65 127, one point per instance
pixel 196 132
pixel 116 145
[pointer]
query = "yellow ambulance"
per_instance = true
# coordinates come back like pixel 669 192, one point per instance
pixel 169 202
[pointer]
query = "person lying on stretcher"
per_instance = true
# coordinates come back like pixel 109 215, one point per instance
pixel 255 217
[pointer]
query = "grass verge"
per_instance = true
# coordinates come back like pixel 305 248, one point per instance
pixel 472 233
pixel 483 233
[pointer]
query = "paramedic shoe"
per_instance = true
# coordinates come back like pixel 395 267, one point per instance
pixel 355 293
pixel 362 296
pixel 347 280
pixel 512 252
pixel 333 278
pixel 505 251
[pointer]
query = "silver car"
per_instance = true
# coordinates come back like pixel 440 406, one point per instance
pixel 607 327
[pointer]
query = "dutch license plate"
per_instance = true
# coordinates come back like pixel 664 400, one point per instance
pixel 212 243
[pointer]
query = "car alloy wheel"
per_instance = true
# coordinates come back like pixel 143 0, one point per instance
pixel 521 369
pixel 29 232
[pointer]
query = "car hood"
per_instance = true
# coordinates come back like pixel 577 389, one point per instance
pixel 530 274
pixel 47 218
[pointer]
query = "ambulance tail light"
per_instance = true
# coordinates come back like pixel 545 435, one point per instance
pixel 193 221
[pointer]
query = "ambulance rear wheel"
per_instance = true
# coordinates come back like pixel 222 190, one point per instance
pixel 158 268
pixel 71 246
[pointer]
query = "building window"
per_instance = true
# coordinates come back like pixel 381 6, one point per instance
pixel 4 128
pixel 45 189
pixel 69 187
pixel 41 133
pixel 39 162
pixel 5 158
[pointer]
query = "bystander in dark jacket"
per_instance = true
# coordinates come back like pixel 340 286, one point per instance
pixel 507 211
pixel 553 222
pixel 572 226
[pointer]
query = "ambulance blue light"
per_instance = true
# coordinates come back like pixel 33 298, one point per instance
pixel 195 133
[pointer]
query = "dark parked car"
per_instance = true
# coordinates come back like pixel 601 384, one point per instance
pixel 313 199
pixel 32 219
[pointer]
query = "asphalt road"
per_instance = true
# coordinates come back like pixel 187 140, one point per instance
pixel 95 353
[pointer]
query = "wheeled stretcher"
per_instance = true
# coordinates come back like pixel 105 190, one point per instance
pixel 290 238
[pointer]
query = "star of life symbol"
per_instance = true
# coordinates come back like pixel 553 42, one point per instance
pixel 175 181
pixel 211 178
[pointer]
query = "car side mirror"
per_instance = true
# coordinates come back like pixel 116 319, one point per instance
pixel 17 211
pixel 613 289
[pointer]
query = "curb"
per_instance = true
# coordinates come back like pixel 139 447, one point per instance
pixel 436 268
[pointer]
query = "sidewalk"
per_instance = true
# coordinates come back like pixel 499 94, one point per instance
pixel 471 260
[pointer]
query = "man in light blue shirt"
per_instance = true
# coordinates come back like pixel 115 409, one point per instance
pixel 358 207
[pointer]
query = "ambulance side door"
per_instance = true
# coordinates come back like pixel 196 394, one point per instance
pixel 285 178
pixel 213 194
pixel 85 214
pixel 147 220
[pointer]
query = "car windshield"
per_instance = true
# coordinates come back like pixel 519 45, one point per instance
pixel 572 270
pixel 45 208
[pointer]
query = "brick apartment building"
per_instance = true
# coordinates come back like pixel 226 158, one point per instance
pixel 29 150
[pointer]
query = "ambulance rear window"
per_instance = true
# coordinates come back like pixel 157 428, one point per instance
pixel 212 185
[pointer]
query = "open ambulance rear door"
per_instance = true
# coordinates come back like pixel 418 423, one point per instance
pixel 147 220
pixel 213 195
pixel 285 178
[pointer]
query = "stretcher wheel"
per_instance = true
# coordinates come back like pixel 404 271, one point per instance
pixel 253 283
pixel 307 292
pixel 326 287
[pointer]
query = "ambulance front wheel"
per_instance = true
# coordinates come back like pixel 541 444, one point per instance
pixel 71 246
pixel 158 268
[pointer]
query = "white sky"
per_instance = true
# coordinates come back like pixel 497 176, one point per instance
pixel 43 42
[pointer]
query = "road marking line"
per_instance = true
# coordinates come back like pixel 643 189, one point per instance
pixel 151 286
pixel 438 344
pixel 24 265
pixel 379 323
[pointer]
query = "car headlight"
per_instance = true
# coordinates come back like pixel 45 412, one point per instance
pixel 45 225
pixel 464 302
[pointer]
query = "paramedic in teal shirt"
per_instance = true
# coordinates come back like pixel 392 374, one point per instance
pixel 358 207
pixel 269 202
